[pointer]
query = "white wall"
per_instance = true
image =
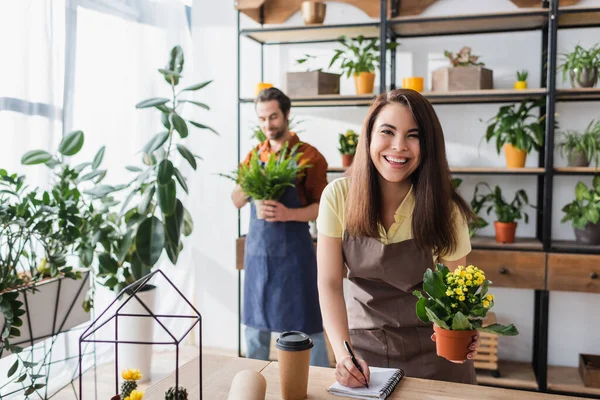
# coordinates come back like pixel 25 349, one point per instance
pixel 214 34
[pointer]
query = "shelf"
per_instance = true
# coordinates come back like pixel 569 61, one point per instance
pixel 570 246
pixel 512 374
pixel 330 100
pixel 576 171
pixel 522 20
pixel 585 94
pixel 489 242
pixel 310 34
pixel 567 379
pixel 496 171
pixel 483 96
pixel 578 17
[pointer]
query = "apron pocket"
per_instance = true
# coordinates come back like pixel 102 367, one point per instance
pixel 370 345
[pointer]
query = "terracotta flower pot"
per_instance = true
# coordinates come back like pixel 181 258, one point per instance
pixel 347 159
pixel 515 158
pixel 453 345
pixel 577 159
pixel 505 231
pixel 364 82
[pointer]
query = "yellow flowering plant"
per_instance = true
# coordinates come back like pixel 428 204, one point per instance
pixel 458 300
pixel 348 142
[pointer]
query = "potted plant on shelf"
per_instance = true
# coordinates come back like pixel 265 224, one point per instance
pixel 360 58
pixel 582 66
pixel 521 82
pixel 311 82
pixel 584 212
pixel 456 302
pixel 477 222
pixel 348 143
pixel 581 148
pixel 507 213
pixel 269 180
pixel 517 130
pixel 465 73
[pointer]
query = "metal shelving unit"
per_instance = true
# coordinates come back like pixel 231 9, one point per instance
pixel 548 20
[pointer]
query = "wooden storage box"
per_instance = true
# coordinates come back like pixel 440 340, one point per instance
pixel 449 79
pixel 312 83
pixel 589 369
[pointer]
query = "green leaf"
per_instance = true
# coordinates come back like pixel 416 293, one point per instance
pixel 179 125
pixel 502 330
pixel 36 157
pixel 582 192
pixel 433 284
pixel 125 245
pixel 165 172
pixel 460 322
pixel 434 318
pixel 157 101
pixel 187 154
pixel 21 378
pixel 100 190
pixel 107 264
pixel 197 86
pixel 181 180
pixel 156 142
pixel 150 240
pixel 92 175
pixel 13 368
pixel 420 309
pixel 133 168
pixel 196 103
pixel 202 126
pixel 188 223
pixel 166 197
pixel 176 60
pixel 98 158
pixel 173 224
pixel 146 199
pixel 71 144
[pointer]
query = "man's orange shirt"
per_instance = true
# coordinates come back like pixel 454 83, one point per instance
pixel 313 180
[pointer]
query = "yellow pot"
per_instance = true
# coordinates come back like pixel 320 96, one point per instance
pixel 364 82
pixel 414 83
pixel 515 158
pixel 261 86
pixel 520 85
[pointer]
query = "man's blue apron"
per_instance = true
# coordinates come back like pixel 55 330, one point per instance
pixel 280 287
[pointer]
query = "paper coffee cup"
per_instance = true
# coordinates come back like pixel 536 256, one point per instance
pixel 293 352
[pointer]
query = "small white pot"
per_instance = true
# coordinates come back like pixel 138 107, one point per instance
pixel 258 206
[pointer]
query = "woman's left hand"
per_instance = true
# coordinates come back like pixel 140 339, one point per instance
pixel 473 347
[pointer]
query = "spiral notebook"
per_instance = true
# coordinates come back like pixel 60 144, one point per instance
pixel 382 383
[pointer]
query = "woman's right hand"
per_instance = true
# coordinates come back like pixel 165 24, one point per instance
pixel 348 375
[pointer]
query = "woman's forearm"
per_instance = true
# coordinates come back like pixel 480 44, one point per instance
pixel 335 317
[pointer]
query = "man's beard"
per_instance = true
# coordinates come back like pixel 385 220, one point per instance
pixel 278 134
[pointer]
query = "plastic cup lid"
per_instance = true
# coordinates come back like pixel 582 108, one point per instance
pixel 294 341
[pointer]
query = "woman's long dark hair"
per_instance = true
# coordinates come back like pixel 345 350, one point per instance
pixel 436 200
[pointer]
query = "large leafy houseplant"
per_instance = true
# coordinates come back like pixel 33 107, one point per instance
pixel 581 148
pixel 457 301
pixel 517 129
pixel 584 212
pixel 581 65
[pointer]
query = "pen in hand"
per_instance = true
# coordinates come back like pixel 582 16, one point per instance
pixel 355 361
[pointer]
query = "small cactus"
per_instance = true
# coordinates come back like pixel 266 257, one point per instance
pixel 182 394
pixel 127 387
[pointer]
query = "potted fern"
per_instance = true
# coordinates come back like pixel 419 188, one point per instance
pixel 582 66
pixel 517 130
pixel 360 58
pixel 269 180
pixel 584 212
pixel 581 148
pixel 507 213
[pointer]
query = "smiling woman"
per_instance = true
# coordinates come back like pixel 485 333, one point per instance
pixel 387 222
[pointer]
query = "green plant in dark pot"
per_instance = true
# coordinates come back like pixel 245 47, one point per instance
pixel 584 212
pixel 507 213
pixel 582 66
pixel 581 148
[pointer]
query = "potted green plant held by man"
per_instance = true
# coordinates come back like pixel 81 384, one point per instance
pixel 584 212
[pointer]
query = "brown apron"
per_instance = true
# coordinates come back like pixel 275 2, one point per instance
pixel 384 328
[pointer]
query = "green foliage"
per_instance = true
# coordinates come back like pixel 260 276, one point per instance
pixel 587 142
pixel 578 59
pixel 127 387
pixel 522 75
pixel 457 300
pixel 463 58
pixel 268 180
pixel 179 394
pixel 585 209
pixel 305 60
pixel 477 222
pixel 348 142
pixel 517 125
pixel 359 55
pixel 505 212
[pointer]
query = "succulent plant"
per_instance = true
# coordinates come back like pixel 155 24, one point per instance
pixel 181 394
pixel 127 387
pixel 463 58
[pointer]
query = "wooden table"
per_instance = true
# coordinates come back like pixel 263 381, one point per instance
pixel 218 372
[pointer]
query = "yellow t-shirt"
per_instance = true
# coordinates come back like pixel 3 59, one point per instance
pixel 331 221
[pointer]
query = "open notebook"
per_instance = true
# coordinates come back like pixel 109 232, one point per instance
pixel 382 383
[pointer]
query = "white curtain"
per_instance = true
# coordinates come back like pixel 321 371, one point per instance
pixel 83 65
